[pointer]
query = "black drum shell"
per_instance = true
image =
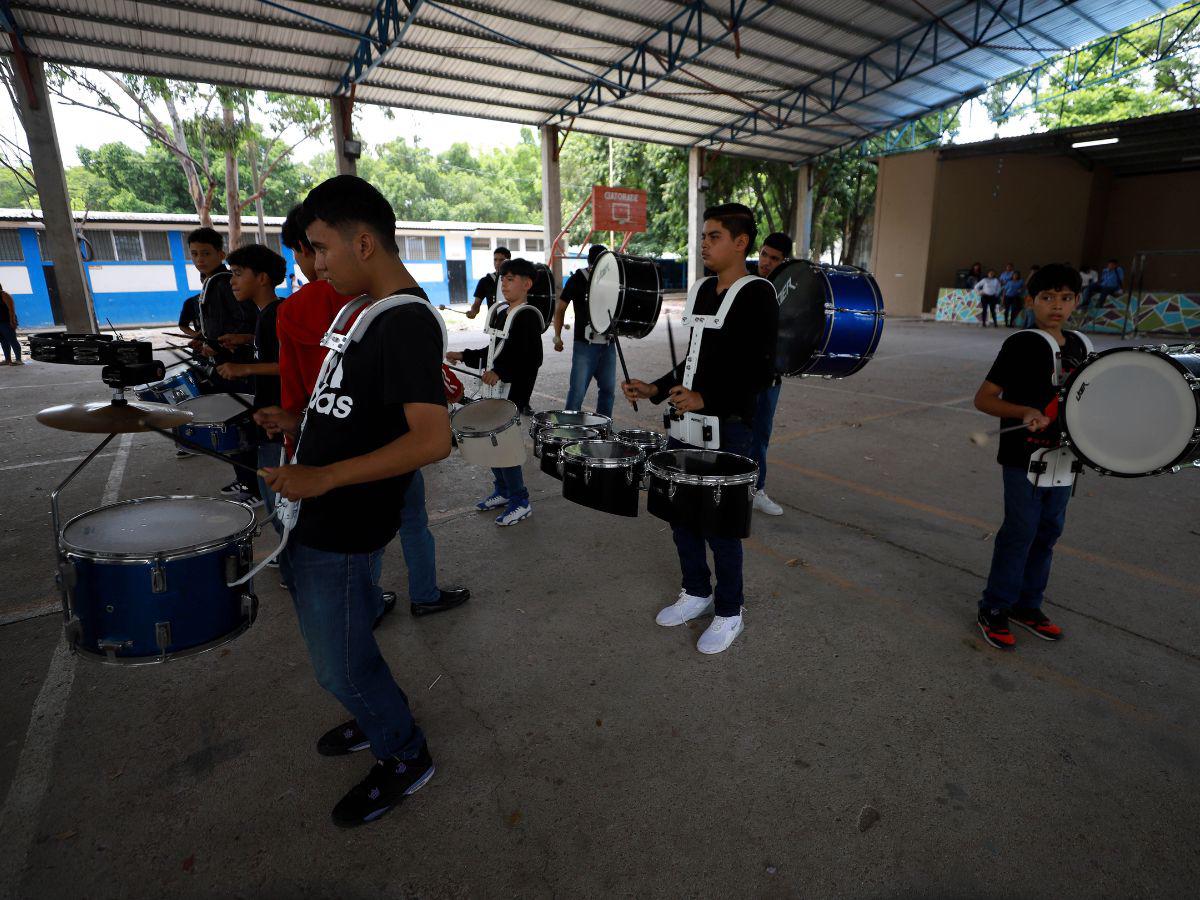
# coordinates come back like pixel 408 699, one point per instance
pixel 547 447
pixel 695 506
pixel 640 297
pixel 614 490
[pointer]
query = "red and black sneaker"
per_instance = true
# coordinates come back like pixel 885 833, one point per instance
pixel 993 624
pixel 1035 621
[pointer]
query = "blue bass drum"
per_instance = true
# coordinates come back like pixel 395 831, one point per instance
pixel 148 580
pixel 830 319
pixel 218 421
pixel 178 384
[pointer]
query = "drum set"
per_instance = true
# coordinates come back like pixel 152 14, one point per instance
pixel 155 578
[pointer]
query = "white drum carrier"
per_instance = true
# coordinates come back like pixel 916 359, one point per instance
pixel 1056 466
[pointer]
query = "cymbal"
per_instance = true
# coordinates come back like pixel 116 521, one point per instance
pixel 113 418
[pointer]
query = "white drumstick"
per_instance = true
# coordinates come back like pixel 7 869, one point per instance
pixel 979 438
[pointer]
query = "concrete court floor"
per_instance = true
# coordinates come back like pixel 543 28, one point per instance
pixel 582 750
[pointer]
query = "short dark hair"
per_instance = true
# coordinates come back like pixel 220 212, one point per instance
pixel 737 219
pixel 206 235
pixel 1054 277
pixel 777 240
pixel 292 235
pixel 260 260
pixel 346 200
pixel 503 251
pixel 518 266
pixel 594 253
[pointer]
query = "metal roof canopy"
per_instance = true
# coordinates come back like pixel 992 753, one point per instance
pixel 784 80
pixel 1168 142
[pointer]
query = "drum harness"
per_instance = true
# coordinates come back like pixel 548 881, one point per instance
pixel 590 334
pixel 691 428
pixel 1058 464
pixel 496 339
pixel 288 511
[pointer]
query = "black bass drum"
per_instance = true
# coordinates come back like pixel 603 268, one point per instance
pixel 624 295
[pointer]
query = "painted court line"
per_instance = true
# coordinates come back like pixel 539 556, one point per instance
pixel 51 462
pixel 19 817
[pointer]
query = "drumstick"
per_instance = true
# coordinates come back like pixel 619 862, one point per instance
pixel 473 372
pixel 979 438
pixel 621 356
pixel 200 448
pixel 451 309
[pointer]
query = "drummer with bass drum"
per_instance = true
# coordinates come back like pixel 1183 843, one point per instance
pixel 594 355
pixel 713 395
pixel 775 250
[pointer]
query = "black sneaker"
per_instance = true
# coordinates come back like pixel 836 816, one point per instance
pixel 389 603
pixel 1036 622
pixel 235 487
pixel 345 739
pixel 386 786
pixel 993 625
pixel 446 600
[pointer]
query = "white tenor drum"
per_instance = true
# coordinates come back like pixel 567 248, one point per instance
pixel 489 433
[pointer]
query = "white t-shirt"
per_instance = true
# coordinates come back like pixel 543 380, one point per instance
pixel 989 286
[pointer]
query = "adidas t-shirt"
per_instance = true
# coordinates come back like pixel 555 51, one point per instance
pixel 359 410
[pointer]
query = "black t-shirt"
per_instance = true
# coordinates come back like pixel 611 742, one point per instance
pixel 486 288
pixel 266 350
pixel 519 359
pixel 359 410
pixel 1024 370
pixel 189 315
pixel 575 292
pixel 222 313
pixel 737 360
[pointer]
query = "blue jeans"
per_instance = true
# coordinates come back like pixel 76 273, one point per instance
pixel 334 596
pixel 8 340
pixel 510 482
pixel 727 552
pixel 764 419
pixel 1024 545
pixel 416 540
pixel 590 361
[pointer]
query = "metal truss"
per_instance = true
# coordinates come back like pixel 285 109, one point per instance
pixel 389 23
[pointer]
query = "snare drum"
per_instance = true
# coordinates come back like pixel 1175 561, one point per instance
pixel 488 433
pixel 179 384
pixel 218 421
pixel 709 490
pixel 1134 411
pixel 830 319
pixel 603 424
pixel 624 295
pixel 148 580
pixel 552 438
pixel 649 442
pixel 603 475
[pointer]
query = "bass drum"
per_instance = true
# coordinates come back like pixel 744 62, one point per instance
pixel 830 319
pixel 541 296
pixel 624 295
pixel 1134 411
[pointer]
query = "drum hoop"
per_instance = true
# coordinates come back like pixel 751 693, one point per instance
pixel 674 476
pixel 167 556
pixel 159 658
pixel 603 462
pixel 607 423
pixel 460 434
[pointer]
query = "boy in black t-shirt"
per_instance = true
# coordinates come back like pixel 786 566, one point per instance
pixel 517 364
pixel 485 288
pixel 377 415
pixel 1020 389
pixel 255 272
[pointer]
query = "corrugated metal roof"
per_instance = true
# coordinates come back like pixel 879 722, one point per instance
pixel 33 217
pixel 553 61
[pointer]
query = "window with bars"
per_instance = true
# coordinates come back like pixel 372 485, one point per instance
pixel 110 245
pixel 535 245
pixel 250 237
pixel 101 244
pixel 420 249
pixel 43 250
pixel 156 245
pixel 10 246
pixel 513 243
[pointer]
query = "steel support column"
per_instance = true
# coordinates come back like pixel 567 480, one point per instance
pixel 802 228
pixel 339 112
pixel 697 200
pixel 551 200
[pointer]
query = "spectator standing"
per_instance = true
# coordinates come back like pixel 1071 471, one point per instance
pixel 975 275
pixel 988 289
pixel 1110 282
pixel 8 329
pixel 1005 277
pixel 1014 299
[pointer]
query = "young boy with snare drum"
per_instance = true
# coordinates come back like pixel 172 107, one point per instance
pixel 1022 388
pixel 735 363
pixel 516 364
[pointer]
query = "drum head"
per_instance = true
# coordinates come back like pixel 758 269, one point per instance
pixel 564 434
pixel 1130 411
pixel 167 525
pixel 703 463
pixel 215 408
pixel 801 289
pixel 642 437
pixel 484 416
pixel 618 450
pixel 573 417
pixel 604 291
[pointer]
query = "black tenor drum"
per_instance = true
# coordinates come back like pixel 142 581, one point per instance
pixel 830 319
pixel 541 296
pixel 1134 411
pixel 624 295
pixel 650 442
pixel 603 475
pixel 603 424
pixel 550 440
pixel 709 490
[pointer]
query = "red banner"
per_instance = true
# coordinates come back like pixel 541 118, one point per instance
pixel 618 209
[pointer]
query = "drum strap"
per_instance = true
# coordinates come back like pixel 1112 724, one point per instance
pixel 496 344
pixel 1056 352
pixel 200 303
pixel 1056 466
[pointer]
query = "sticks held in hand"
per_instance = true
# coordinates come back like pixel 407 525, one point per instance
pixel 980 438
pixel 201 449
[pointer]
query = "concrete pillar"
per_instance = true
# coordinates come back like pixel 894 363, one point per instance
pixel 802 228
pixel 339 113
pixel 697 200
pixel 33 107
pixel 551 199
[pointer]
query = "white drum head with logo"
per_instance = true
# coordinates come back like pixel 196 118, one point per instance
pixel 1130 413
pixel 604 292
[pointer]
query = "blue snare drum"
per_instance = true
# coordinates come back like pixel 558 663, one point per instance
pixel 830 319
pixel 178 384
pixel 148 579
pixel 218 421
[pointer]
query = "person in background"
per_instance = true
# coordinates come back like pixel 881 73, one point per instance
pixel 975 275
pixel 1110 282
pixel 1087 277
pixel 1006 275
pixel 189 317
pixel 988 289
pixel 1014 299
pixel 776 249
pixel 593 356
pixel 8 329
pixel 485 290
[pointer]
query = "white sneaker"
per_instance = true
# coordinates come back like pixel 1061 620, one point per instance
pixel 765 504
pixel 720 634
pixel 685 608
pixel 514 514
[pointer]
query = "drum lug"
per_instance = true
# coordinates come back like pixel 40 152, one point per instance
pixel 717 495
pixel 110 648
pixel 162 635
pixel 560 465
pixel 587 474
pixel 629 476
pixel 250 606
pixel 495 443
pixel 158 578
pixel 671 490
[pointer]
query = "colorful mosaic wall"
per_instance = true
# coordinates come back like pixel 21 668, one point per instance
pixel 1158 313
